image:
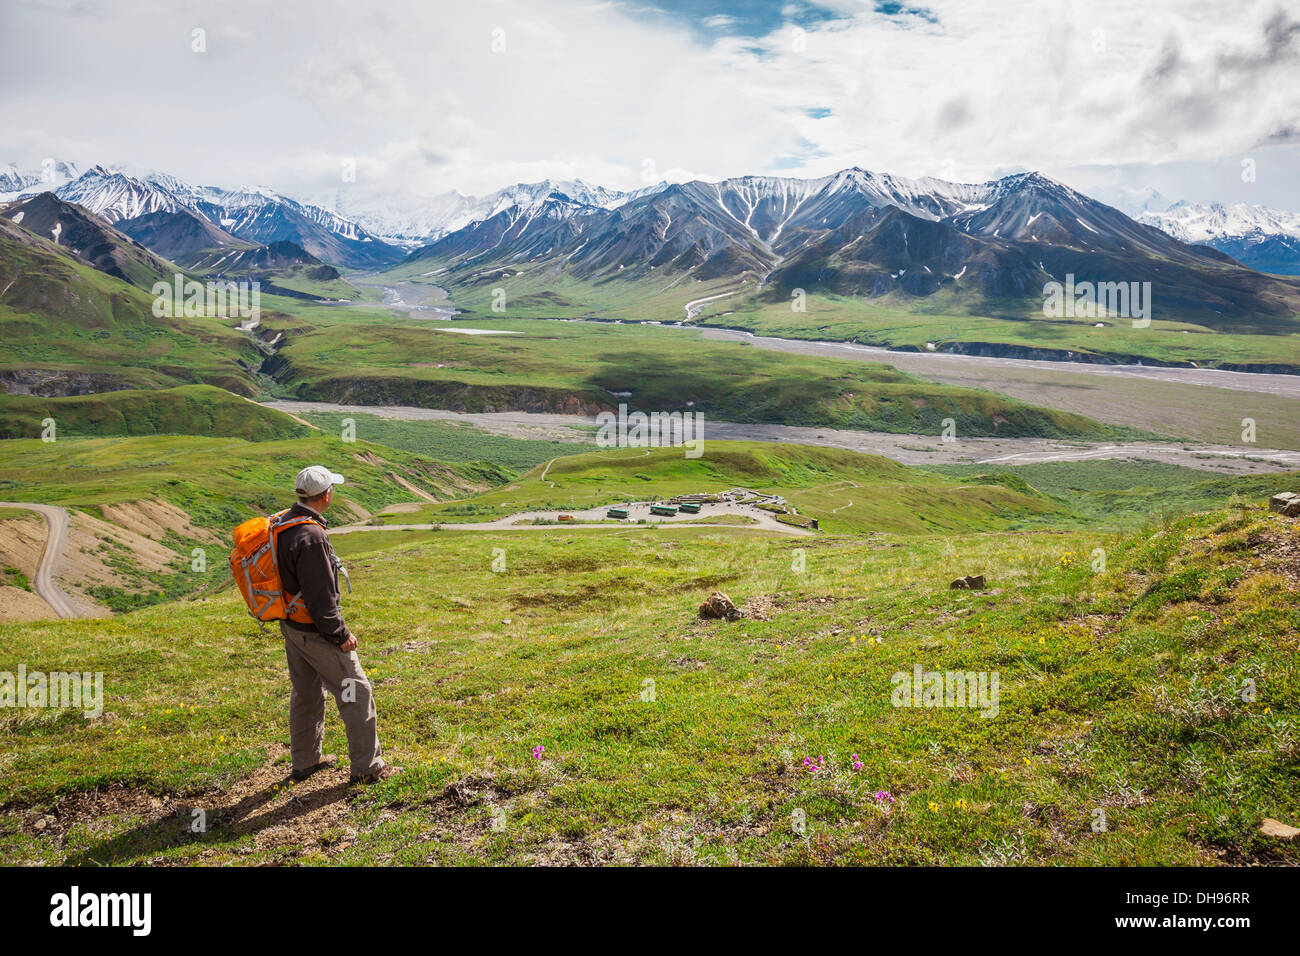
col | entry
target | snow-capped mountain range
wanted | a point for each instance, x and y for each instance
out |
(410, 222)
(180, 218)
(748, 223)
(52, 174)
(392, 222)
(856, 233)
(1192, 222)
(763, 221)
(1262, 238)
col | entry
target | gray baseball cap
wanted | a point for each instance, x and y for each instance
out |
(314, 479)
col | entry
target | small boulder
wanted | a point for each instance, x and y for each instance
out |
(973, 582)
(1286, 503)
(1278, 829)
(720, 607)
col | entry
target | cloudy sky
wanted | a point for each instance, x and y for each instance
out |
(1115, 97)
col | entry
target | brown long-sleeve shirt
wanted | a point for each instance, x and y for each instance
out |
(307, 568)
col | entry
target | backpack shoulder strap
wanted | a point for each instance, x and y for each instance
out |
(279, 521)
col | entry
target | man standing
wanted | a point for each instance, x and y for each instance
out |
(322, 654)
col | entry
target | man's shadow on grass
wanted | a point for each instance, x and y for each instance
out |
(223, 826)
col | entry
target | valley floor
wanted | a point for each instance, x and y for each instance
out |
(1200, 404)
(908, 449)
(1204, 405)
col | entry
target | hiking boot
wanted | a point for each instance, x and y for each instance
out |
(326, 761)
(383, 773)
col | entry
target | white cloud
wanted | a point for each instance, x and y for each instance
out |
(414, 92)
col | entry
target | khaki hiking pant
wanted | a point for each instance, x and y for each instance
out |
(316, 666)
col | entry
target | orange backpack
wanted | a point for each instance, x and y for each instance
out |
(256, 569)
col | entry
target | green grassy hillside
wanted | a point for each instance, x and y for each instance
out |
(218, 481)
(317, 281)
(79, 233)
(1126, 494)
(449, 441)
(844, 490)
(185, 410)
(669, 740)
(66, 322)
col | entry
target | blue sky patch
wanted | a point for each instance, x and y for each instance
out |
(892, 9)
(742, 18)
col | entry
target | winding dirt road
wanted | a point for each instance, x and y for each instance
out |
(56, 538)
(522, 521)
(693, 307)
